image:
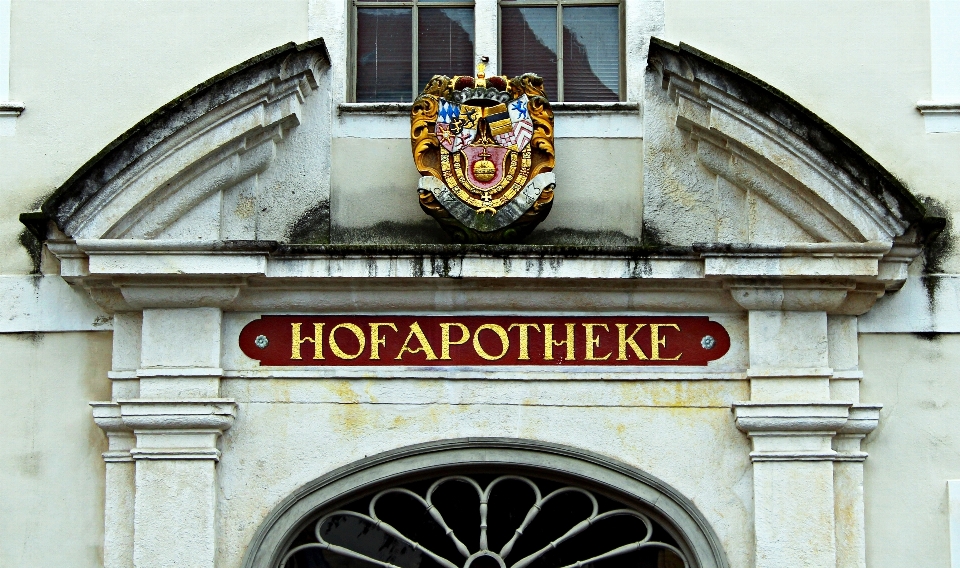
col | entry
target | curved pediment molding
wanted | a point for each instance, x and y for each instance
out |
(195, 169)
(763, 169)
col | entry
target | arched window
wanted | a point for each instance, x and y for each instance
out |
(486, 504)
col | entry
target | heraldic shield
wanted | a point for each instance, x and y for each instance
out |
(485, 150)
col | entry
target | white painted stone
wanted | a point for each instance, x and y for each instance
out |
(953, 494)
(925, 304)
(9, 110)
(942, 113)
(940, 116)
(486, 34)
(47, 303)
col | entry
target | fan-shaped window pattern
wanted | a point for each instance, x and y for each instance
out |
(484, 521)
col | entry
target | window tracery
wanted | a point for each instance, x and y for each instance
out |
(484, 521)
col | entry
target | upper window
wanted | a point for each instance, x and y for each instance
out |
(575, 45)
(401, 45)
(584, 65)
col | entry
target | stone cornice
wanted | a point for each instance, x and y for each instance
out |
(764, 418)
(186, 414)
(130, 274)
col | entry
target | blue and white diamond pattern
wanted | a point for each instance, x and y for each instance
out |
(448, 111)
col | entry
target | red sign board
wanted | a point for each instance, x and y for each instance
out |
(434, 341)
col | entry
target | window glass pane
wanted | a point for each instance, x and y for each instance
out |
(591, 53)
(528, 40)
(445, 43)
(384, 54)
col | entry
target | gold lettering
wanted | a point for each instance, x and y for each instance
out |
(594, 341)
(524, 347)
(424, 348)
(656, 342)
(445, 342)
(628, 340)
(548, 341)
(501, 333)
(297, 341)
(376, 341)
(356, 331)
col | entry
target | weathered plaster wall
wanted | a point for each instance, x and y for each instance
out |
(861, 66)
(290, 431)
(89, 71)
(913, 452)
(599, 195)
(51, 472)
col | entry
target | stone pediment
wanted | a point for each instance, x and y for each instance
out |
(741, 184)
(730, 159)
(239, 157)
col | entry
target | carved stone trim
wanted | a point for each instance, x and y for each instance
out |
(760, 418)
(214, 415)
(272, 538)
(503, 217)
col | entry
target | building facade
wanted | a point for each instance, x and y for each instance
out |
(231, 337)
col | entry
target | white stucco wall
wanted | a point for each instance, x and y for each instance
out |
(51, 472)
(914, 451)
(88, 71)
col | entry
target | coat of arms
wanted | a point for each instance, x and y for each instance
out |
(485, 149)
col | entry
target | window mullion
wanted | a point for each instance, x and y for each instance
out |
(559, 52)
(415, 73)
(486, 31)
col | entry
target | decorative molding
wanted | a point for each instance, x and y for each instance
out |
(824, 200)
(11, 108)
(766, 418)
(205, 415)
(764, 169)
(839, 277)
(801, 431)
(702, 544)
(940, 116)
(221, 134)
(862, 420)
(175, 454)
(119, 436)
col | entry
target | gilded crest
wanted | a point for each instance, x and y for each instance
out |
(484, 147)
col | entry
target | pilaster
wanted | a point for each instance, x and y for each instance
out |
(119, 486)
(176, 457)
(803, 418)
(848, 484)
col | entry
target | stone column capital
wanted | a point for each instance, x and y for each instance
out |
(802, 431)
(791, 431)
(787, 295)
(177, 428)
(764, 418)
(119, 436)
(178, 414)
